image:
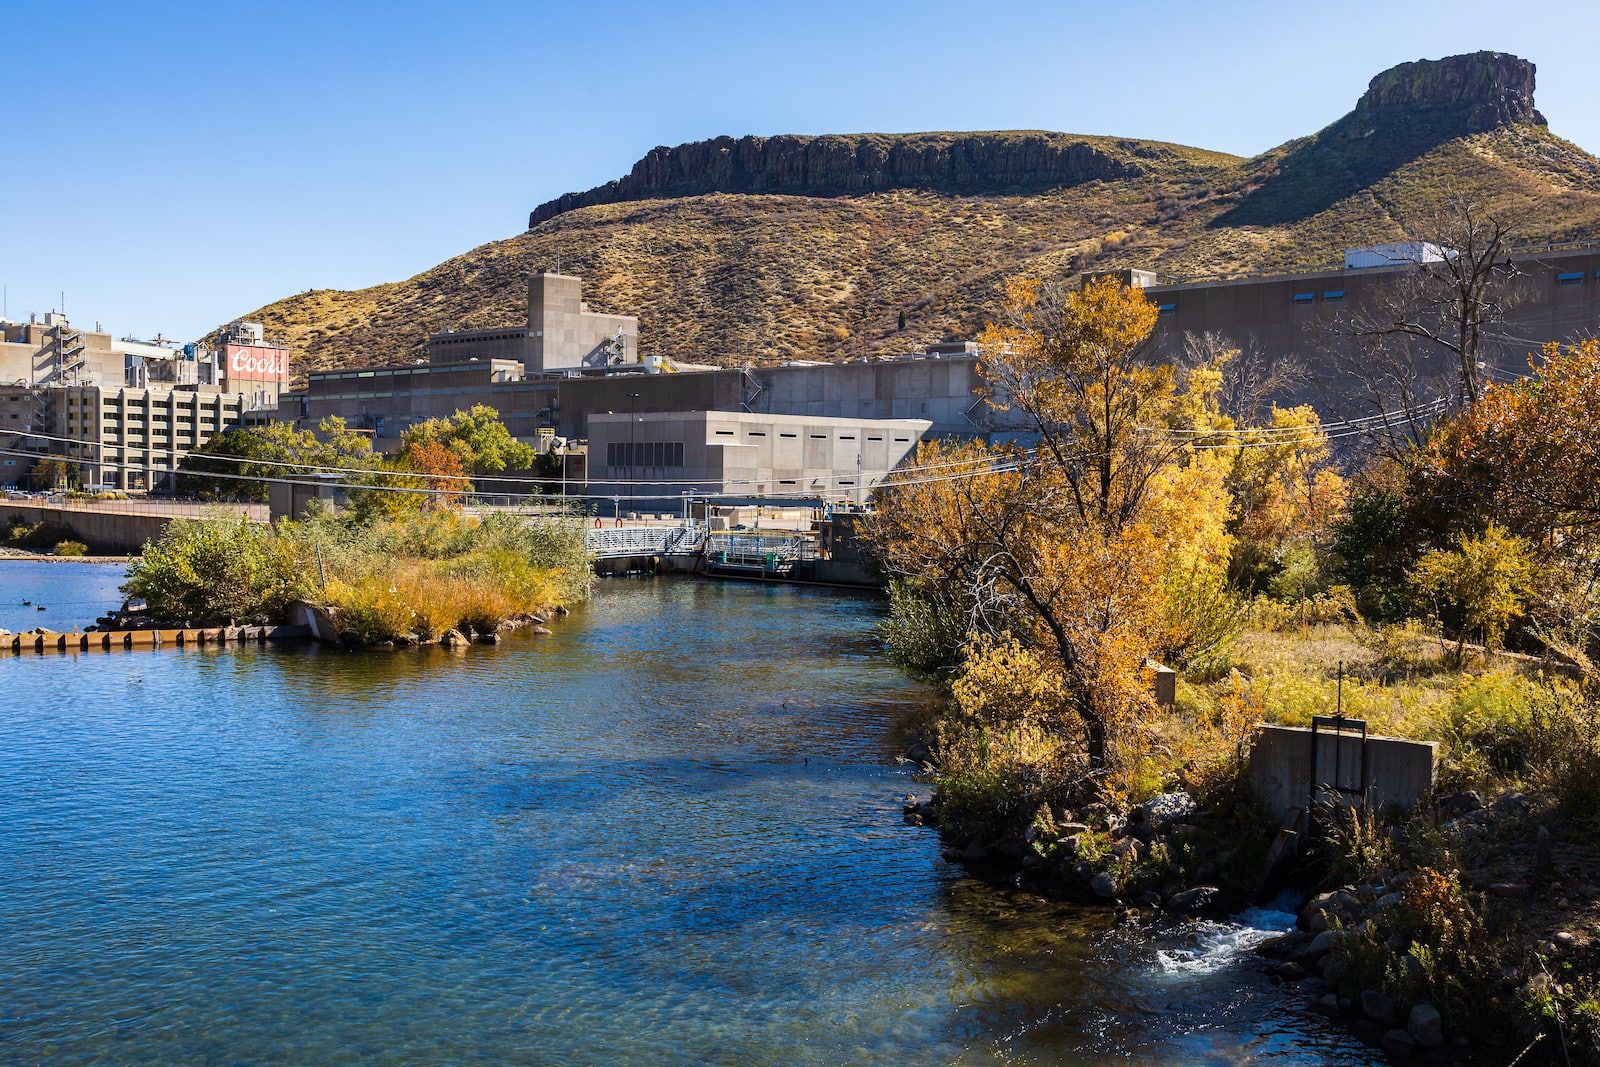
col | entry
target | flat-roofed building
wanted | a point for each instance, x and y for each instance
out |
(561, 333)
(653, 459)
(124, 412)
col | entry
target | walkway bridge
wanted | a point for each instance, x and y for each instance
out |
(620, 541)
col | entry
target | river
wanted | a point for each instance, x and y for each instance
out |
(669, 833)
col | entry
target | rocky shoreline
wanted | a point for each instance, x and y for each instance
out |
(1172, 860)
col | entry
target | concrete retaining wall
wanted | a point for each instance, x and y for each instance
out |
(102, 531)
(1398, 771)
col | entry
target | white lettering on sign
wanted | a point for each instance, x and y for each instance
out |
(258, 363)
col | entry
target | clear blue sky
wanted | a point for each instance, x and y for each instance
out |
(172, 165)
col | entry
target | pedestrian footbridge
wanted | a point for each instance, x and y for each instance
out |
(615, 541)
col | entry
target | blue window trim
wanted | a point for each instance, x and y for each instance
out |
(1333, 294)
(1301, 298)
(1569, 279)
(1166, 308)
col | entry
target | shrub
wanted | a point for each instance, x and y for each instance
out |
(39, 535)
(71, 548)
(1488, 726)
(213, 570)
(923, 632)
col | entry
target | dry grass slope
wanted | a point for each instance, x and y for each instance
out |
(732, 279)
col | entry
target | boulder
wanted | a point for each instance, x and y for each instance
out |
(974, 853)
(1380, 1007)
(1163, 812)
(1324, 942)
(1012, 848)
(1460, 803)
(1131, 849)
(1511, 804)
(452, 639)
(1203, 900)
(1425, 1025)
(1398, 1043)
(1103, 885)
(541, 630)
(489, 638)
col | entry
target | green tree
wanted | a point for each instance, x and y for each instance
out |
(234, 463)
(477, 437)
(1486, 579)
(53, 472)
(205, 571)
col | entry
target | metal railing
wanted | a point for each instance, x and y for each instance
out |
(634, 540)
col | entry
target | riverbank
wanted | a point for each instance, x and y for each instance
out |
(1474, 916)
(6, 552)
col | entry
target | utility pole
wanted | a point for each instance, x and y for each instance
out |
(633, 420)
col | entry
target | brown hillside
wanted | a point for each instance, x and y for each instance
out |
(732, 276)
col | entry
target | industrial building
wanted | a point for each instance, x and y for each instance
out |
(646, 460)
(572, 376)
(561, 333)
(1556, 297)
(125, 412)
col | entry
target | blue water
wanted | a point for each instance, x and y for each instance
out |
(669, 833)
(71, 594)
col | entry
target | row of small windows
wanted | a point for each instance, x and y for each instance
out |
(644, 454)
(814, 437)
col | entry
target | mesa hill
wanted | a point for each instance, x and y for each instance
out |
(762, 249)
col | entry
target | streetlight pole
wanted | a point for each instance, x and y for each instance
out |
(633, 403)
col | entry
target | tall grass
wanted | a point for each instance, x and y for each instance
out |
(422, 573)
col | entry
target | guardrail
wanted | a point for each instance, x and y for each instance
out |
(636, 540)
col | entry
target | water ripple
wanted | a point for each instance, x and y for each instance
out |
(668, 833)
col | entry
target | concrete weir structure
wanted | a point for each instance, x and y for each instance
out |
(1352, 767)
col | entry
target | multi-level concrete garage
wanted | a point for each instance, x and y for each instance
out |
(651, 460)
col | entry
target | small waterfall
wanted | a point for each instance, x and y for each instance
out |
(1207, 946)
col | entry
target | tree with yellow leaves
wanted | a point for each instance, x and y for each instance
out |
(1063, 546)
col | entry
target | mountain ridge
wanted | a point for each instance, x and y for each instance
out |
(809, 272)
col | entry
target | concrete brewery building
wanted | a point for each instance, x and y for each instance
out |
(124, 413)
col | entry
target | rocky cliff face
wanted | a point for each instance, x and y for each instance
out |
(1485, 89)
(864, 163)
(1406, 112)
(1414, 107)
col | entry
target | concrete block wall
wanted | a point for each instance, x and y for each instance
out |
(1399, 771)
